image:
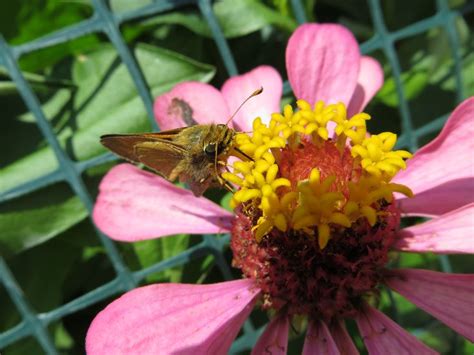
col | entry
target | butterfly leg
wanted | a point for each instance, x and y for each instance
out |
(221, 180)
(225, 183)
(240, 154)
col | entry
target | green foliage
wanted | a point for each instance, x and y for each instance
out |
(427, 61)
(39, 83)
(147, 252)
(43, 215)
(86, 91)
(50, 264)
(26, 21)
(103, 100)
(236, 18)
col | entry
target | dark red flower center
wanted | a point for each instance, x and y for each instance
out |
(315, 212)
(293, 272)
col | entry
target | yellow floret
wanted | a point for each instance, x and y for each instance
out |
(377, 158)
(313, 206)
(317, 206)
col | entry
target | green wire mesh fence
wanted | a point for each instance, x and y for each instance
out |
(107, 22)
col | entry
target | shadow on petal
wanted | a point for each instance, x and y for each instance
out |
(190, 103)
(441, 174)
(450, 233)
(319, 340)
(382, 335)
(369, 81)
(439, 199)
(136, 205)
(236, 89)
(448, 297)
(342, 338)
(274, 339)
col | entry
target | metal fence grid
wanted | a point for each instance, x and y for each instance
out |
(105, 21)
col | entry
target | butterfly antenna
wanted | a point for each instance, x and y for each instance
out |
(255, 93)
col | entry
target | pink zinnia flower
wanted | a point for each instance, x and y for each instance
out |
(297, 257)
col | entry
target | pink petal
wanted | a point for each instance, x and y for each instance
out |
(441, 174)
(342, 338)
(322, 62)
(173, 318)
(205, 103)
(448, 297)
(319, 340)
(274, 339)
(369, 81)
(134, 205)
(450, 233)
(382, 335)
(236, 89)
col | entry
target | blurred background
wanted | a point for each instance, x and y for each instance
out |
(71, 71)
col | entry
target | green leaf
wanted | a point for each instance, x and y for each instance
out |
(413, 82)
(225, 201)
(468, 347)
(429, 61)
(37, 218)
(239, 18)
(127, 5)
(37, 18)
(120, 5)
(411, 260)
(106, 101)
(39, 83)
(62, 339)
(42, 273)
(50, 263)
(149, 252)
(282, 6)
(236, 18)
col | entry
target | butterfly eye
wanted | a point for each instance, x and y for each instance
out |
(210, 149)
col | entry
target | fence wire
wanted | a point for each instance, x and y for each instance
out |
(107, 22)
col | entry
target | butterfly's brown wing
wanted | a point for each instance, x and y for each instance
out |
(164, 157)
(175, 153)
(124, 144)
(172, 162)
